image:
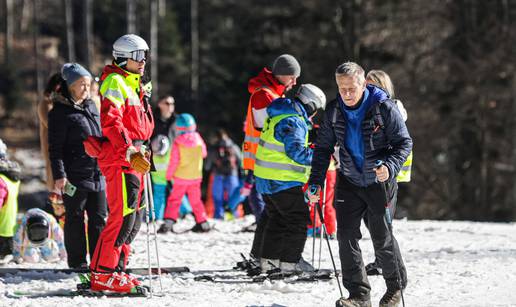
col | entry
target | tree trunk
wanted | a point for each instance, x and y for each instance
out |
(194, 81)
(9, 24)
(87, 28)
(154, 46)
(514, 140)
(35, 33)
(131, 17)
(70, 40)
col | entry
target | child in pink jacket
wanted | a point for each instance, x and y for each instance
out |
(185, 169)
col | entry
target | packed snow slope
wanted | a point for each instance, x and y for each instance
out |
(449, 264)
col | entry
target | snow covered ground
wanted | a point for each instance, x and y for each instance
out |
(449, 264)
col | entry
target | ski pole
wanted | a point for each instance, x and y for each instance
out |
(153, 215)
(329, 248)
(388, 219)
(146, 195)
(322, 224)
(314, 222)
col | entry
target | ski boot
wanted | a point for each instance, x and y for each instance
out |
(167, 226)
(114, 282)
(353, 302)
(296, 267)
(391, 298)
(201, 227)
(132, 278)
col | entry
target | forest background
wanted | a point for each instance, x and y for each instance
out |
(452, 63)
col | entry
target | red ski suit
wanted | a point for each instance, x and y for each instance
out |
(126, 120)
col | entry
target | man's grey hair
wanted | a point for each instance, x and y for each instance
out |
(351, 69)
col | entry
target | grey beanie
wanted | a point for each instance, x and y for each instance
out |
(73, 71)
(286, 65)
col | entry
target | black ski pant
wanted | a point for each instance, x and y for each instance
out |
(256, 250)
(352, 203)
(284, 234)
(94, 203)
(6, 246)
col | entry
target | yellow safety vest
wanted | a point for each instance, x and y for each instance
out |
(10, 208)
(271, 160)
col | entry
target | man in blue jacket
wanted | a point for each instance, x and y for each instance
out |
(281, 169)
(367, 128)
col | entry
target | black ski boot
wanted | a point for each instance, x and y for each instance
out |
(353, 302)
(391, 298)
(201, 227)
(167, 226)
(373, 268)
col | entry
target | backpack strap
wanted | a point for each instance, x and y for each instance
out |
(378, 116)
(334, 116)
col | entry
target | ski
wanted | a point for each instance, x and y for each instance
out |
(137, 271)
(320, 275)
(138, 292)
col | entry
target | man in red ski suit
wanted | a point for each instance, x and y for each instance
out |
(127, 125)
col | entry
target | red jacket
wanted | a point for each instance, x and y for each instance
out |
(125, 116)
(263, 99)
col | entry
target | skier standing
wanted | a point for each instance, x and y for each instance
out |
(127, 125)
(185, 169)
(352, 121)
(264, 88)
(281, 168)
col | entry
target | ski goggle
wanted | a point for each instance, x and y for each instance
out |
(139, 55)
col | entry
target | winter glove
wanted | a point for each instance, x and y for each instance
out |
(312, 194)
(92, 146)
(246, 189)
(139, 163)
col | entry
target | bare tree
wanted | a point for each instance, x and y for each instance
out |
(87, 40)
(9, 24)
(154, 44)
(35, 33)
(194, 12)
(70, 39)
(131, 16)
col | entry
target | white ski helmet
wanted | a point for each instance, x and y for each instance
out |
(130, 46)
(160, 145)
(311, 96)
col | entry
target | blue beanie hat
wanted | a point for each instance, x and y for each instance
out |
(73, 71)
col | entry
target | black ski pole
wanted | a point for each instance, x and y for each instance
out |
(318, 207)
(388, 218)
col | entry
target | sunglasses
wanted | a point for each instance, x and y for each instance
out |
(139, 55)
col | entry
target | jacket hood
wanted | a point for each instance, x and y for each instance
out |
(265, 78)
(190, 139)
(286, 106)
(377, 93)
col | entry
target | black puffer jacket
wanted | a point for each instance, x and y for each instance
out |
(391, 144)
(68, 126)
